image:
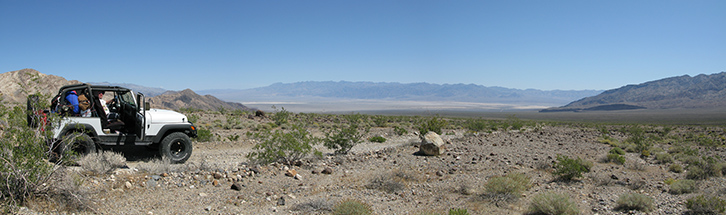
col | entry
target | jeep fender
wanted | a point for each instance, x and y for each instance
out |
(188, 129)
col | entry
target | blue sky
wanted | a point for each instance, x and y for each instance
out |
(244, 44)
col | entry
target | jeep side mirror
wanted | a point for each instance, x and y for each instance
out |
(147, 106)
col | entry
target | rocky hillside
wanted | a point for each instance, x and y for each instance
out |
(701, 91)
(189, 99)
(16, 85)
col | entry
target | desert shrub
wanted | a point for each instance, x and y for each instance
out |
(476, 125)
(280, 117)
(281, 146)
(204, 135)
(23, 154)
(380, 121)
(663, 158)
(377, 139)
(669, 181)
(682, 186)
(233, 138)
(342, 140)
(553, 203)
(102, 162)
(314, 205)
(638, 138)
(677, 168)
(617, 151)
(615, 158)
(458, 211)
(706, 205)
(511, 184)
(352, 207)
(635, 201)
(399, 131)
(393, 181)
(567, 168)
(608, 140)
(435, 124)
(696, 173)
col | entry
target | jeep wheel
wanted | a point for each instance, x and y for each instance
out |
(75, 144)
(177, 147)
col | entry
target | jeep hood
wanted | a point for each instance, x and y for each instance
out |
(165, 116)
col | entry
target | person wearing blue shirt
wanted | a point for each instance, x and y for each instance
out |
(72, 97)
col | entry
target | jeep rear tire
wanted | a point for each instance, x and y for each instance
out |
(77, 142)
(177, 147)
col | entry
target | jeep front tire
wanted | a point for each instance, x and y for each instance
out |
(177, 147)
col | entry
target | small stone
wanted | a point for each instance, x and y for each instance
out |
(298, 177)
(327, 171)
(202, 195)
(291, 173)
(217, 175)
(208, 208)
(127, 185)
(215, 183)
(155, 177)
(236, 186)
(281, 201)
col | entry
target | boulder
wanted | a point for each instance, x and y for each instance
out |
(431, 145)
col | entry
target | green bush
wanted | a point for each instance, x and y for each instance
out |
(706, 205)
(352, 207)
(682, 186)
(617, 150)
(635, 201)
(553, 203)
(664, 158)
(435, 124)
(511, 184)
(377, 139)
(280, 117)
(616, 158)
(399, 131)
(696, 173)
(342, 140)
(281, 146)
(677, 168)
(567, 168)
(458, 211)
(23, 161)
(476, 125)
(204, 135)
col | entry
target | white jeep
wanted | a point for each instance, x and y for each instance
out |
(128, 121)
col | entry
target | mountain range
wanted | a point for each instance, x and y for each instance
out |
(312, 90)
(686, 92)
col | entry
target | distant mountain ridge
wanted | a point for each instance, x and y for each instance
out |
(399, 91)
(701, 91)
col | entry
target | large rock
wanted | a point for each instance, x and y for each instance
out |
(431, 145)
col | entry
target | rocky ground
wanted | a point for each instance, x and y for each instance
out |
(389, 176)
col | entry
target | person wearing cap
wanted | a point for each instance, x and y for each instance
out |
(72, 98)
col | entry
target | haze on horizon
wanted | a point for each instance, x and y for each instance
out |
(545, 45)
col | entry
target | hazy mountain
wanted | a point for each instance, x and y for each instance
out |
(189, 99)
(399, 91)
(15, 86)
(701, 91)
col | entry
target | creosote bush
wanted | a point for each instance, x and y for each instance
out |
(435, 124)
(281, 146)
(706, 204)
(506, 188)
(102, 162)
(553, 203)
(567, 168)
(23, 157)
(342, 140)
(683, 186)
(352, 207)
(377, 139)
(635, 201)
